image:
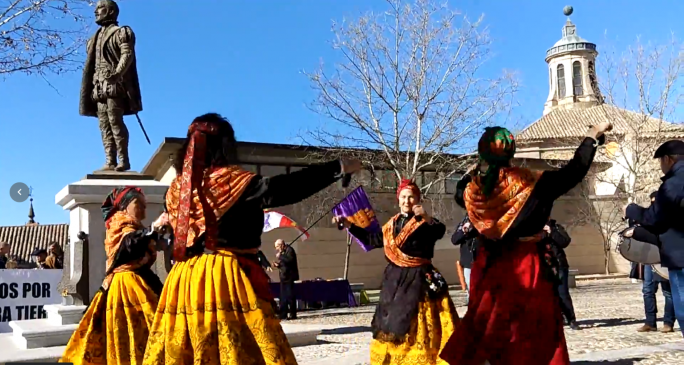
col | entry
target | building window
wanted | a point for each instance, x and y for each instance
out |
(594, 82)
(577, 78)
(251, 168)
(385, 180)
(550, 78)
(560, 76)
(270, 170)
(450, 183)
(437, 181)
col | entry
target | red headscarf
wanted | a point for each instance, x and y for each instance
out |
(192, 174)
(408, 184)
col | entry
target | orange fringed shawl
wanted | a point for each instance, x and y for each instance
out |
(393, 244)
(222, 187)
(119, 225)
(493, 215)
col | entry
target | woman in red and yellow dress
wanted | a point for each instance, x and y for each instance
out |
(415, 315)
(216, 306)
(114, 328)
(513, 314)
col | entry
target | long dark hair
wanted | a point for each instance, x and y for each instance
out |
(221, 149)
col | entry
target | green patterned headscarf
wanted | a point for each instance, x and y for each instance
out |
(496, 147)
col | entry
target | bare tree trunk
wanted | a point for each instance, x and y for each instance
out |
(346, 258)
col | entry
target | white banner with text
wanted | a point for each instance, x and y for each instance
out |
(23, 293)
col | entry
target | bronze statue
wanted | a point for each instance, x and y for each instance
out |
(110, 88)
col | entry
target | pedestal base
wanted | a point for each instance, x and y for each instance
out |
(83, 200)
(59, 315)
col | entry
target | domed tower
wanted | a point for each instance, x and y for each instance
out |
(572, 71)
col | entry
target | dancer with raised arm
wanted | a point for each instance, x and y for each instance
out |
(216, 306)
(416, 315)
(513, 315)
(115, 327)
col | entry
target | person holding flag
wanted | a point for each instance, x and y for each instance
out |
(415, 315)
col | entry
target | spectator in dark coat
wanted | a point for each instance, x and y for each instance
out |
(651, 279)
(466, 237)
(560, 239)
(289, 273)
(663, 218)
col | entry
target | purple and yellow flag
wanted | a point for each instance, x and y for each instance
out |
(356, 207)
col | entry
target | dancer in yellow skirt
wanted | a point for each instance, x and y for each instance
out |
(114, 329)
(415, 316)
(216, 306)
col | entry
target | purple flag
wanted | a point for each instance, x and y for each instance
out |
(356, 207)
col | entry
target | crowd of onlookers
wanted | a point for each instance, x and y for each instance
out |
(50, 258)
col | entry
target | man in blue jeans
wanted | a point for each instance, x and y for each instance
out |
(664, 218)
(651, 280)
(649, 289)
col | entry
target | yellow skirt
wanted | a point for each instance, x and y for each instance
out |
(430, 330)
(114, 329)
(209, 314)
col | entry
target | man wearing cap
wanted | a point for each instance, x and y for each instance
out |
(40, 254)
(4, 251)
(663, 218)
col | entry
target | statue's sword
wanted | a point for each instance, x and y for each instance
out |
(140, 122)
(143, 128)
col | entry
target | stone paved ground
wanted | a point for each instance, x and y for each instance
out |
(609, 312)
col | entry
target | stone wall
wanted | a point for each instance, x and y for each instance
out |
(323, 255)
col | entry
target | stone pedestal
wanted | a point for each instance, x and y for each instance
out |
(83, 199)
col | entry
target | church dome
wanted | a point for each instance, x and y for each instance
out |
(570, 41)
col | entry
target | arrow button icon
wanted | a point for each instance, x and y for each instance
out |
(16, 192)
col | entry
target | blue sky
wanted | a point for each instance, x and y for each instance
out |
(243, 59)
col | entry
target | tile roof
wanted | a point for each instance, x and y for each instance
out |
(572, 123)
(23, 239)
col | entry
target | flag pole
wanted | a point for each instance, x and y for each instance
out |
(346, 259)
(319, 219)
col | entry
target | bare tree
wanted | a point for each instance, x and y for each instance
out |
(41, 36)
(639, 90)
(410, 85)
(643, 86)
(603, 213)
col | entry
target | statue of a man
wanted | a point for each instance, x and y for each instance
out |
(110, 88)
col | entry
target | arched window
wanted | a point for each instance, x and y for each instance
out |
(550, 78)
(593, 82)
(560, 76)
(576, 78)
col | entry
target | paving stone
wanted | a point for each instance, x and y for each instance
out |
(608, 311)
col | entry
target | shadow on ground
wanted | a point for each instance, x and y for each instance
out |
(609, 322)
(609, 362)
(346, 330)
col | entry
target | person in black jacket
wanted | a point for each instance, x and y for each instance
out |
(559, 240)
(465, 236)
(650, 285)
(664, 219)
(289, 273)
